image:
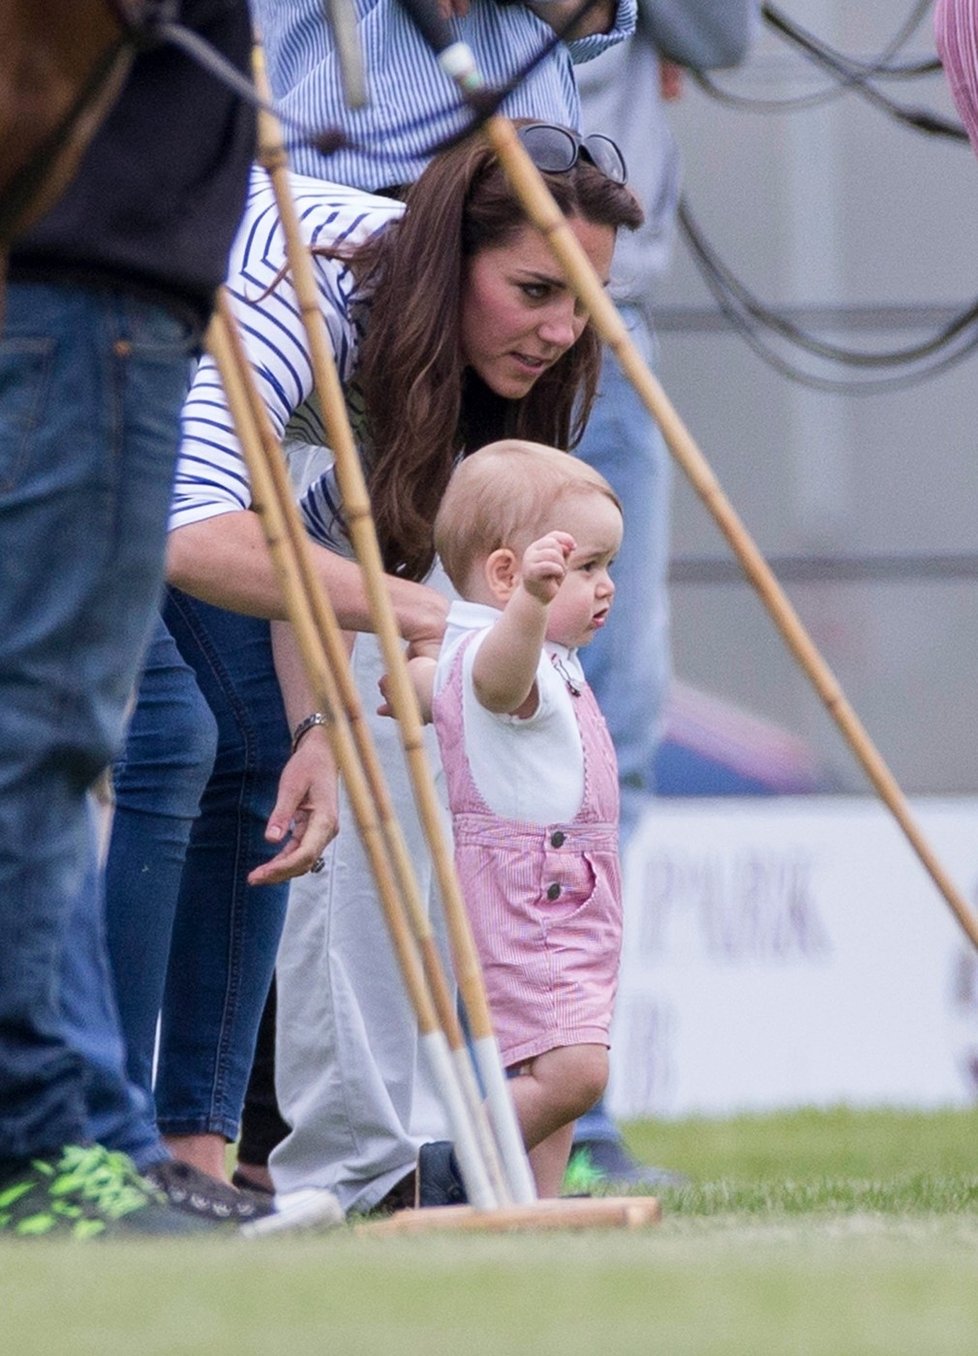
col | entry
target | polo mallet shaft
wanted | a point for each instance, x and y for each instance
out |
(458, 61)
(518, 1180)
(543, 211)
(345, 698)
(321, 645)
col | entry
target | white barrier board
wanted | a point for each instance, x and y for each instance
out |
(789, 952)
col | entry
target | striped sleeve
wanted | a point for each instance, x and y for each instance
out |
(956, 33)
(321, 511)
(211, 476)
(586, 49)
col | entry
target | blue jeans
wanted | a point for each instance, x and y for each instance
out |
(119, 1114)
(190, 940)
(91, 384)
(628, 664)
(158, 779)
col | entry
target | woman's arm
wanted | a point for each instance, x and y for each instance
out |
(225, 561)
(305, 817)
(702, 34)
(600, 18)
(216, 548)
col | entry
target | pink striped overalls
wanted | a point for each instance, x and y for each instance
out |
(544, 900)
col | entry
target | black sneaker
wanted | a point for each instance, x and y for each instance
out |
(84, 1193)
(439, 1181)
(604, 1166)
(197, 1193)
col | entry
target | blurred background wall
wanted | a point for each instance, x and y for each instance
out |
(864, 231)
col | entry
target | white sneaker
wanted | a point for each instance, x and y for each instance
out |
(309, 1211)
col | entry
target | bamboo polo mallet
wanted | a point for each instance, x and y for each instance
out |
(358, 517)
(324, 654)
(528, 183)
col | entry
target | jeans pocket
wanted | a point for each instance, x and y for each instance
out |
(25, 377)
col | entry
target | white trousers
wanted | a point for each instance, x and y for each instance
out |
(350, 1078)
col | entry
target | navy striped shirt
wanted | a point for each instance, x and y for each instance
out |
(413, 104)
(211, 474)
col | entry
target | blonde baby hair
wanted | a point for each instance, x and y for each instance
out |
(506, 495)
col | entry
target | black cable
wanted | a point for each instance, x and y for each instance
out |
(857, 71)
(751, 335)
(751, 318)
(745, 312)
(882, 66)
(795, 103)
(849, 75)
(775, 320)
(922, 119)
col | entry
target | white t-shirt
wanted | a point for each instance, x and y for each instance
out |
(529, 769)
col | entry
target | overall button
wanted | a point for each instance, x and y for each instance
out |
(553, 891)
(557, 839)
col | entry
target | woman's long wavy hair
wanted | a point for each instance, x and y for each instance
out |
(422, 407)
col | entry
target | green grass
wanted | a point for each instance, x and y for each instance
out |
(817, 1162)
(834, 1233)
(812, 1144)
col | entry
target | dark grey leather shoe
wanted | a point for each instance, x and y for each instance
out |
(438, 1179)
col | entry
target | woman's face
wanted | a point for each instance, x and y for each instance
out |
(518, 313)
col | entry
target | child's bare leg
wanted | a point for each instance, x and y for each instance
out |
(548, 1160)
(550, 1093)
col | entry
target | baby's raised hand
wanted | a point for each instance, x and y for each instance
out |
(545, 565)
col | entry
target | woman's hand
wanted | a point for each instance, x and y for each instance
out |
(306, 814)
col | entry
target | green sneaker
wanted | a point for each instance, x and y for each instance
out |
(86, 1193)
(580, 1178)
(606, 1168)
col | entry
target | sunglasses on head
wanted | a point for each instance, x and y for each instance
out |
(555, 150)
